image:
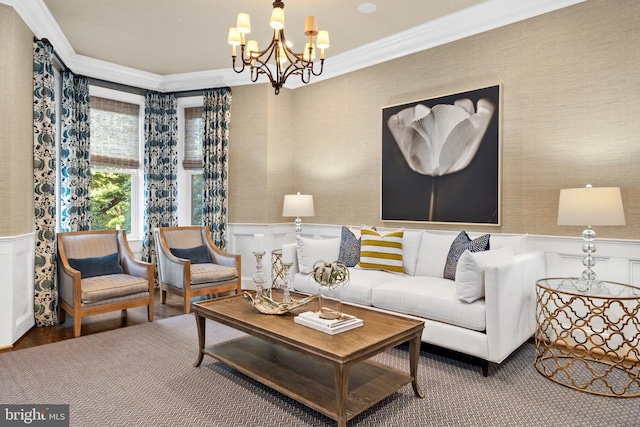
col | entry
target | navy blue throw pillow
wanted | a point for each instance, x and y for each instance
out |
(460, 244)
(97, 266)
(349, 248)
(197, 255)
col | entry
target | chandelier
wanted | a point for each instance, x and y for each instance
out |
(278, 61)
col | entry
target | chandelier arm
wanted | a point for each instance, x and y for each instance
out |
(312, 68)
(308, 74)
(234, 65)
(262, 69)
(292, 69)
(245, 61)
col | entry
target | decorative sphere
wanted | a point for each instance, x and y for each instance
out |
(589, 275)
(589, 235)
(588, 261)
(589, 248)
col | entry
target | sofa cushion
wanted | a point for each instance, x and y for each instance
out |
(432, 256)
(432, 298)
(312, 250)
(197, 255)
(97, 266)
(212, 273)
(461, 243)
(358, 291)
(381, 252)
(470, 271)
(101, 288)
(349, 248)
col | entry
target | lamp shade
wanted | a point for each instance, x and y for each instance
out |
(591, 206)
(298, 205)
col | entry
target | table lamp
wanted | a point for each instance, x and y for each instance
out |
(298, 205)
(590, 206)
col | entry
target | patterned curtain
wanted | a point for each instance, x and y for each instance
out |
(160, 166)
(75, 175)
(44, 180)
(217, 115)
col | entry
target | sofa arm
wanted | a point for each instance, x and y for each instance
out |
(510, 303)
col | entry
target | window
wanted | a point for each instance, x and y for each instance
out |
(116, 168)
(191, 196)
(110, 200)
(196, 199)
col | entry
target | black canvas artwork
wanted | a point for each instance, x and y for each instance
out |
(441, 159)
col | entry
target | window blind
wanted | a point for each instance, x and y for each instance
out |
(115, 133)
(193, 135)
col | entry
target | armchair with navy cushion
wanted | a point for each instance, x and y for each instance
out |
(191, 265)
(98, 273)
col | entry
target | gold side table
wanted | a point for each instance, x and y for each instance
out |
(587, 335)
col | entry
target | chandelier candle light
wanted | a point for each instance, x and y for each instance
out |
(278, 61)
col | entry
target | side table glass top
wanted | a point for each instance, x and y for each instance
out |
(595, 288)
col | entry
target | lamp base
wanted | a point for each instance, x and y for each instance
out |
(589, 248)
(298, 228)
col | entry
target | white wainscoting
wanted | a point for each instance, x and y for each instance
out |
(616, 260)
(16, 287)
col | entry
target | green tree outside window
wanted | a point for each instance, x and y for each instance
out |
(110, 201)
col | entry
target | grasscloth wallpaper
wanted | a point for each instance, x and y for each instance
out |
(16, 131)
(570, 116)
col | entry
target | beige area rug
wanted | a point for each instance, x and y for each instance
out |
(144, 375)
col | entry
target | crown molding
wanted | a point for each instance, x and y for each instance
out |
(482, 17)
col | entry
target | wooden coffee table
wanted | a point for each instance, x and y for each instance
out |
(328, 373)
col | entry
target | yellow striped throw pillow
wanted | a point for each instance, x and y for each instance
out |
(381, 252)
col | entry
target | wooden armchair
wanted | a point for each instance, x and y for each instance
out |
(191, 265)
(98, 273)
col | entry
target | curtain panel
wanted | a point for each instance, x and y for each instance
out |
(44, 180)
(160, 167)
(215, 169)
(75, 172)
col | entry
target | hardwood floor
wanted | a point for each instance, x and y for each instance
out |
(99, 323)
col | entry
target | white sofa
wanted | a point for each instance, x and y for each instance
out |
(502, 279)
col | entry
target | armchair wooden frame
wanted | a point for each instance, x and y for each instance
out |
(70, 279)
(181, 276)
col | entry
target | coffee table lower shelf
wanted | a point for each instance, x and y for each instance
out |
(307, 380)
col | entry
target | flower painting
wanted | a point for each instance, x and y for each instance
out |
(441, 157)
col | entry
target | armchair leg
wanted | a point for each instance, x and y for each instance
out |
(163, 296)
(77, 325)
(62, 315)
(187, 305)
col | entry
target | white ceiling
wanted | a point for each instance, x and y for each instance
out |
(181, 45)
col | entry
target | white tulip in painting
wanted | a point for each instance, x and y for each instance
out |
(443, 139)
(452, 141)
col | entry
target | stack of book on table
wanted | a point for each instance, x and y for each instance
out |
(312, 319)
